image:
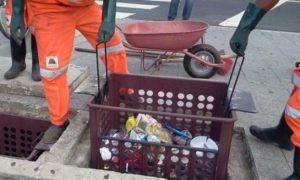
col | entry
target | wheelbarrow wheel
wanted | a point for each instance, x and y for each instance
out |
(197, 69)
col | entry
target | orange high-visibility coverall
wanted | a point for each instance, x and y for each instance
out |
(54, 24)
(292, 110)
(8, 11)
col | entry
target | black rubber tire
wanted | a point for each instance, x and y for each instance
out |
(199, 70)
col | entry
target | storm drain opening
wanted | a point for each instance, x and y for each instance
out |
(19, 135)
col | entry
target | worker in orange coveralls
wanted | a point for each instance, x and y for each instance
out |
(287, 133)
(54, 24)
(18, 51)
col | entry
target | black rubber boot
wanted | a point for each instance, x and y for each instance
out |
(279, 135)
(53, 133)
(296, 173)
(18, 53)
(51, 136)
(35, 73)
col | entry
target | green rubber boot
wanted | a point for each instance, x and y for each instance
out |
(18, 53)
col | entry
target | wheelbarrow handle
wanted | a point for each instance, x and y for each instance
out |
(227, 109)
(119, 28)
(99, 98)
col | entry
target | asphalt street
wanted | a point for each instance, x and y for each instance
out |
(225, 13)
(283, 18)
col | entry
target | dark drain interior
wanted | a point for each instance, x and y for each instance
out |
(19, 135)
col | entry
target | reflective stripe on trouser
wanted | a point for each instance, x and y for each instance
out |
(115, 54)
(292, 116)
(55, 35)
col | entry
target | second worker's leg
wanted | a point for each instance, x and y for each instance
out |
(280, 134)
(35, 73)
(88, 25)
(296, 167)
(18, 54)
(187, 10)
(173, 10)
(55, 35)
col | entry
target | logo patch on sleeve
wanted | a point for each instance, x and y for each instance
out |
(51, 62)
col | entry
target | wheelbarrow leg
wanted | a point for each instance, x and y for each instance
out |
(143, 66)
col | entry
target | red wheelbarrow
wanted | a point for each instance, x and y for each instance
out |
(200, 60)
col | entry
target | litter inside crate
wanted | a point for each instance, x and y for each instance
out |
(147, 129)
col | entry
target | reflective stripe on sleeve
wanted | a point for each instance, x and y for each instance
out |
(111, 49)
(292, 112)
(296, 79)
(53, 73)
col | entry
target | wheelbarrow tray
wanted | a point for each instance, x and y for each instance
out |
(164, 35)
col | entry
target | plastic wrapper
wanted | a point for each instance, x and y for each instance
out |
(205, 143)
(180, 140)
(146, 123)
(153, 138)
(137, 134)
(105, 153)
(120, 134)
(163, 135)
(151, 127)
(130, 123)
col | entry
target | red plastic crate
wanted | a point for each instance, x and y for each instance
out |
(193, 104)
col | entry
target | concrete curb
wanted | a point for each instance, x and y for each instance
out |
(23, 85)
(25, 170)
(248, 153)
(63, 150)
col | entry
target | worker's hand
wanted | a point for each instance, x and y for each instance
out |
(253, 14)
(17, 28)
(106, 31)
(239, 41)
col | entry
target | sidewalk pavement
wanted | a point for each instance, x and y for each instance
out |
(270, 59)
